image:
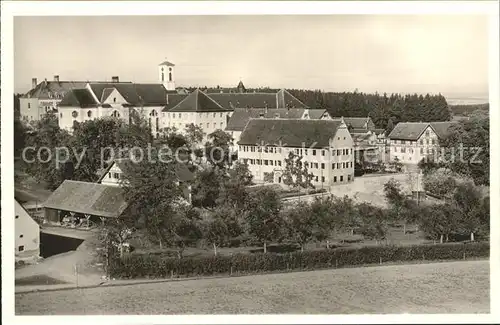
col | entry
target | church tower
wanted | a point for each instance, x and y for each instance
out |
(166, 75)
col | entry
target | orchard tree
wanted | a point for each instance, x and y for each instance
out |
(296, 173)
(222, 227)
(374, 222)
(218, 150)
(263, 218)
(194, 134)
(152, 193)
(206, 188)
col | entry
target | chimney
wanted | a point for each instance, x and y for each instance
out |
(56, 78)
(115, 79)
(33, 83)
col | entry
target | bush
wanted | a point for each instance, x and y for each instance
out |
(153, 266)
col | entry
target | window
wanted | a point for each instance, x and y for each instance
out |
(266, 162)
(109, 175)
(271, 162)
(322, 166)
(114, 99)
(305, 152)
(323, 153)
(351, 164)
(314, 152)
(60, 115)
(279, 162)
(333, 166)
(20, 248)
(17, 217)
(316, 165)
(348, 177)
(74, 114)
(316, 178)
(89, 113)
(403, 149)
(335, 179)
(422, 142)
(351, 151)
(338, 152)
(427, 133)
(338, 165)
(214, 114)
(343, 165)
(322, 179)
(21, 236)
(115, 114)
(344, 138)
(341, 178)
(306, 164)
(220, 114)
(333, 152)
(433, 141)
(29, 105)
(180, 114)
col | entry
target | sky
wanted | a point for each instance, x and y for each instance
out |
(445, 54)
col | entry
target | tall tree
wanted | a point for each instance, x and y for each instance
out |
(296, 173)
(264, 220)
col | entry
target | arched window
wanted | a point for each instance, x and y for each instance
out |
(170, 76)
(89, 114)
(115, 114)
(74, 114)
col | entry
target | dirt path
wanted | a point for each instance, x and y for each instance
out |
(72, 267)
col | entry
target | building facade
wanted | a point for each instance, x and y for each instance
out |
(326, 148)
(27, 233)
(411, 142)
(44, 97)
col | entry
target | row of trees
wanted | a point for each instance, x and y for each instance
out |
(463, 211)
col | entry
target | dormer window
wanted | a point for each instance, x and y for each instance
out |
(74, 114)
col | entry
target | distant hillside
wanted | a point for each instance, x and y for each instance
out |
(465, 110)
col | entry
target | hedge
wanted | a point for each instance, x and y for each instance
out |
(157, 266)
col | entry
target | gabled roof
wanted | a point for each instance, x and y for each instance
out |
(87, 198)
(243, 100)
(316, 113)
(442, 129)
(280, 99)
(197, 101)
(413, 130)
(78, 98)
(289, 132)
(355, 122)
(134, 93)
(408, 130)
(173, 100)
(241, 116)
(169, 64)
(44, 88)
(183, 172)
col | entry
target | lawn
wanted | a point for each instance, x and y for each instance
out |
(448, 287)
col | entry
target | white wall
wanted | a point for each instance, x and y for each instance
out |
(330, 166)
(412, 152)
(27, 234)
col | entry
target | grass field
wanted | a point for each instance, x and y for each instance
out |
(448, 287)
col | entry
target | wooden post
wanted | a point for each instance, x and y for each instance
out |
(380, 262)
(231, 270)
